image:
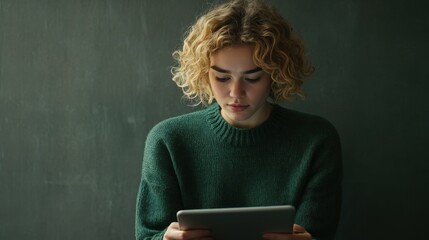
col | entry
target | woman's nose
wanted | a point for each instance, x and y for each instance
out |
(237, 89)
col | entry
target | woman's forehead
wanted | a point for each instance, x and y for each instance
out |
(233, 58)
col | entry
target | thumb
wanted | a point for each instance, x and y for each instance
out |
(298, 229)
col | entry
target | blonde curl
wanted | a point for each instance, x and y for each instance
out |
(277, 50)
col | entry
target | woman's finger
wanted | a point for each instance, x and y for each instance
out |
(174, 233)
(298, 229)
(299, 233)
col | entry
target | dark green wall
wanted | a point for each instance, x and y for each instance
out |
(82, 82)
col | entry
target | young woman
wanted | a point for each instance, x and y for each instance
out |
(243, 150)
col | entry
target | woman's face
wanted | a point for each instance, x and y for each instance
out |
(239, 86)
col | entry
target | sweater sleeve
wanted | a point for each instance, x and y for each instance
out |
(320, 206)
(158, 198)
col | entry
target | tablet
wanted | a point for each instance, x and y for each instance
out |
(239, 223)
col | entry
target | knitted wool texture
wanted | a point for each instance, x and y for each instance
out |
(198, 160)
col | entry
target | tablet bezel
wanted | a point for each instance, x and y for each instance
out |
(239, 222)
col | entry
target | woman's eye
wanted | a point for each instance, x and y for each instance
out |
(253, 80)
(222, 79)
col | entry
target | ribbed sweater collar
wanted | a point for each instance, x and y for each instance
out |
(243, 137)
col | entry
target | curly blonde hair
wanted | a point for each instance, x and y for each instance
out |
(277, 50)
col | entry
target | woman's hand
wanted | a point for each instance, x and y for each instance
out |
(174, 233)
(299, 233)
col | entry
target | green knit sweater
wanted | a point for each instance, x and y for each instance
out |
(198, 160)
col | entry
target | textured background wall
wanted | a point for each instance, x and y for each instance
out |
(82, 82)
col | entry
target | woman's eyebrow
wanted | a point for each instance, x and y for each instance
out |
(218, 69)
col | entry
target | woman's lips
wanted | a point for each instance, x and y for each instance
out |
(237, 107)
